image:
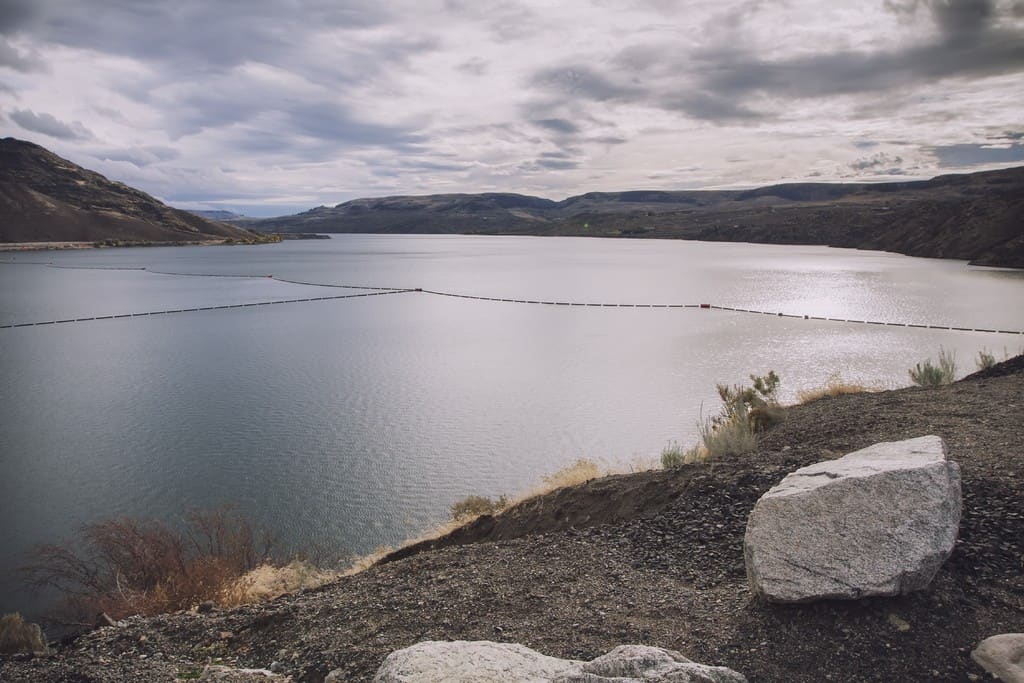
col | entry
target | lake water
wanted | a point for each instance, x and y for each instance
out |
(357, 422)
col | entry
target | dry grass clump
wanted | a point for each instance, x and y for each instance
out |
(16, 635)
(674, 455)
(123, 567)
(268, 581)
(835, 386)
(581, 471)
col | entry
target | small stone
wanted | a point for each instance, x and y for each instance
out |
(898, 624)
(207, 606)
(1002, 656)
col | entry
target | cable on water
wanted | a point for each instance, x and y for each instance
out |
(397, 290)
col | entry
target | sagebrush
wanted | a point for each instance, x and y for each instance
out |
(745, 411)
(928, 374)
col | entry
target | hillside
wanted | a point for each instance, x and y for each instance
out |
(44, 198)
(652, 557)
(977, 217)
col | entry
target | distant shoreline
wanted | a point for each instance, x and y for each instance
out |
(111, 244)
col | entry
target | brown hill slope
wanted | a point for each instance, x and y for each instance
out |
(44, 198)
(977, 217)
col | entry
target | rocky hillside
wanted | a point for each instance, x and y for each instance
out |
(977, 217)
(653, 558)
(44, 198)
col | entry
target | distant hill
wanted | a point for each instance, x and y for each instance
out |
(44, 198)
(218, 215)
(977, 217)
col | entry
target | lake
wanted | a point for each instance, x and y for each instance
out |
(355, 423)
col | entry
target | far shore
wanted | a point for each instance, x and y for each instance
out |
(109, 244)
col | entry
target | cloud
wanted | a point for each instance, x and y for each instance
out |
(880, 162)
(13, 58)
(47, 124)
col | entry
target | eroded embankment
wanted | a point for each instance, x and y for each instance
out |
(653, 558)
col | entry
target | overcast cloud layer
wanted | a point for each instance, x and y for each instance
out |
(268, 107)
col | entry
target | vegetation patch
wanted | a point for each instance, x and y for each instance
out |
(123, 567)
(17, 635)
(928, 374)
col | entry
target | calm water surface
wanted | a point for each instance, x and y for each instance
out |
(356, 423)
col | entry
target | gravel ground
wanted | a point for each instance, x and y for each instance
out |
(653, 558)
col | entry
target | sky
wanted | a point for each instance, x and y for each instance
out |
(270, 107)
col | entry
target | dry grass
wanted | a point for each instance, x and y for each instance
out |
(581, 471)
(268, 581)
(835, 386)
(16, 635)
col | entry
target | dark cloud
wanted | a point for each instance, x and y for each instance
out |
(15, 14)
(557, 164)
(558, 125)
(48, 125)
(191, 32)
(723, 82)
(975, 155)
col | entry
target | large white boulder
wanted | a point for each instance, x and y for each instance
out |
(878, 521)
(484, 661)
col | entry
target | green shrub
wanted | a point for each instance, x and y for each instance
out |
(929, 375)
(735, 435)
(18, 636)
(474, 506)
(985, 359)
(745, 411)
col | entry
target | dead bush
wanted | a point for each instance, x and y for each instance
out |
(128, 566)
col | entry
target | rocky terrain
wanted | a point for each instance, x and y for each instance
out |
(653, 558)
(977, 217)
(44, 198)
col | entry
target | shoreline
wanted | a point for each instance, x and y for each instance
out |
(583, 569)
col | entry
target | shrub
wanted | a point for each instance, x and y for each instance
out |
(733, 436)
(674, 456)
(127, 566)
(985, 359)
(928, 375)
(18, 636)
(474, 506)
(745, 411)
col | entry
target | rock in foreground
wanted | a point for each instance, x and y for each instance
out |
(1002, 656)
(482, 661)
(878, 521)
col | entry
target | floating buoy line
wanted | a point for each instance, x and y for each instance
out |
(366, 291)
